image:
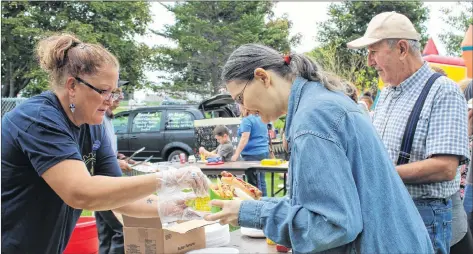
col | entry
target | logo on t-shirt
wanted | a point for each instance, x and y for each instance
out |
(90, 159)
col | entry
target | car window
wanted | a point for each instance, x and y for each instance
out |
(147, 122)
(216, 113)
(180, 120)
(120, 124)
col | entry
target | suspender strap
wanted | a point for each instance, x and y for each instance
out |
(406, 145)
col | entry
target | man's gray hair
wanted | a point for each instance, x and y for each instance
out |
(414, 46)
(244, 60)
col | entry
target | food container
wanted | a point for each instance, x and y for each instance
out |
(270, 242)
(213, 196)
(191, 159)
(281, 248)
(182, 158)
(271, 162)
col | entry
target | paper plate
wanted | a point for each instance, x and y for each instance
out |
(252, 232)
(215, 251)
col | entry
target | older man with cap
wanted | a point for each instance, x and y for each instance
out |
(422, 119)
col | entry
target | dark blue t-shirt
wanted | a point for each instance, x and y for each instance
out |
(37, 135)
(258, 142)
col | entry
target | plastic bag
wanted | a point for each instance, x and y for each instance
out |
(182, 194)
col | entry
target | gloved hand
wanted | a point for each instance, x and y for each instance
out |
(124, 166)
(173, 207)
(174, 180)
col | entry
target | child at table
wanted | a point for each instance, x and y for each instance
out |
(225, 147)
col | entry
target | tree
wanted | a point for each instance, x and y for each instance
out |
(459, 19)
(347, 21)
(207, 32)
(328, 58)
(113, 24)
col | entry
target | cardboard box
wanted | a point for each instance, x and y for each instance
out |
(147, 236)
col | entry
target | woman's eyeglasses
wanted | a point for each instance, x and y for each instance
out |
(106, 95)
(239, 97)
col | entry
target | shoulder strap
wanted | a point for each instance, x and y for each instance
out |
(406, 145)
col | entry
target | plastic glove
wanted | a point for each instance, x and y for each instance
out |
(173, 208)
(174, 180)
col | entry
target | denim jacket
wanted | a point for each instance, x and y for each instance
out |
(345, 195)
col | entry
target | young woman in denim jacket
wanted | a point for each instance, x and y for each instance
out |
(345, 195)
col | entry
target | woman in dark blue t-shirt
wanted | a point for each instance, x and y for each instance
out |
(57, 158)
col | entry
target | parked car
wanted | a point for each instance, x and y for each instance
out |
(167, 130)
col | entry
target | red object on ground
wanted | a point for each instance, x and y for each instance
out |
(84, 239)
(281, 248)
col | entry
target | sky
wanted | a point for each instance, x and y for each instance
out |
(304, 15)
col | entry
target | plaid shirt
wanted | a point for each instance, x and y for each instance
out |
(442, 126)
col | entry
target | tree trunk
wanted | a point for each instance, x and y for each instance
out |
(6, 85)
(5, 90)
(24, 83)
(214, 80)
(12, 80)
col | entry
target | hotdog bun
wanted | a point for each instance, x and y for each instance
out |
(248, 189)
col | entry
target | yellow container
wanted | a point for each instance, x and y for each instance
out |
(268, 241)
(271, 162)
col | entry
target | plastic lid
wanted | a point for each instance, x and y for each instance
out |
(252, 232)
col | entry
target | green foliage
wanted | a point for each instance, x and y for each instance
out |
(347, 21)
(279, 124)
(113, 24)
(207, 32)
(459, 18)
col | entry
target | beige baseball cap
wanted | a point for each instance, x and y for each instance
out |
(386, 25)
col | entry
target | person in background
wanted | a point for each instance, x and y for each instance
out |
(57, 158)
(345, 195)
(225, 147)
(352, 93)
(367, 100)
(108, 125)
(463, 84)
(440, 144)
(468, 197)
(462, 241)
(253, 145)
(439, 70)
(110, 229)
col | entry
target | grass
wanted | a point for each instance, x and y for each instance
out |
(277, 182)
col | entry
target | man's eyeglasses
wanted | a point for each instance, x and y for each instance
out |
(106, 95)
(239, 97)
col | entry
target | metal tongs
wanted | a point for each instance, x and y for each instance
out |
(134, 154)
(141, 162)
